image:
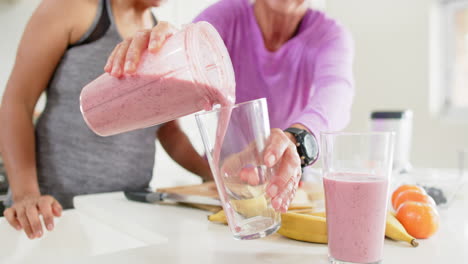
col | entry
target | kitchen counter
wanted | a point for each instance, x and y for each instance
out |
(76, 235)
(107, 228)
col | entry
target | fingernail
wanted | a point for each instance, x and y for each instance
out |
(271, 160)
(38, 233)
(273, 190)
(153, 44)
(50, 227)
(30, 236)
(158, 45)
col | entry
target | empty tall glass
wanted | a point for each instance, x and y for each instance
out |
(356, 175)
(236, 161)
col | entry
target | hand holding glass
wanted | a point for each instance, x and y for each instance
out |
(238, 168)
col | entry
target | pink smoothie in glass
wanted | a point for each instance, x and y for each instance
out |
(356, 206)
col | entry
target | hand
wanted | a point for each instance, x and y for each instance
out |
(280, 156)
(24, 214)
(126, 55)
(281, 153)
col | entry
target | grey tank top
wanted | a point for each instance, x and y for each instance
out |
(71, 159)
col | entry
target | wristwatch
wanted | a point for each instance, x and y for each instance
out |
(307, 145)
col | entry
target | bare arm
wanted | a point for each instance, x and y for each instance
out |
(44, 41)
(179, 148)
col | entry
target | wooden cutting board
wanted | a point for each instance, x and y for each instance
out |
(304, 197)
(205, 189)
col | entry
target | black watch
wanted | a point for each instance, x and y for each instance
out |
(307, 145)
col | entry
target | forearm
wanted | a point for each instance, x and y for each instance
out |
(187, 157)
(44, 41)
(180, 149)
(17, 145)
(329, 105)
(329, 110)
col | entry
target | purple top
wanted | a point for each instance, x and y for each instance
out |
(309, 80)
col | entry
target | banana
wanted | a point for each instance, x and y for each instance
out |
(395, 230)
(305, 207)
(293, 225)
(250, 207)
(255, 206)
(322, 213)
(304, 227)
(311, 227)
(219, 217)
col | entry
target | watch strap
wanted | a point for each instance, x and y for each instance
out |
(300, 135)
(295, 131)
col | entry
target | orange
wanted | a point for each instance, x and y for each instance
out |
(420, 220)
(412, 195)
(403, 188)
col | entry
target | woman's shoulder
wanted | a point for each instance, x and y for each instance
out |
(319, 27)
(224, 11)
(225, 16)
(59, 7)
(73, 16)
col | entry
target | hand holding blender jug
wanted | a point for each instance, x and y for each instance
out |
(191, 72)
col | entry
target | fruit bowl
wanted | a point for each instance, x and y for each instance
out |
(441, 184)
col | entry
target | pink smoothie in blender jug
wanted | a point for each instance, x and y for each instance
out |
(191, 72)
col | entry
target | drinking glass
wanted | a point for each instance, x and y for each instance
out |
(235, 139)
(356, 175)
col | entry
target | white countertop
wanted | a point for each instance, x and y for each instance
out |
(75, 235)
(107, 228)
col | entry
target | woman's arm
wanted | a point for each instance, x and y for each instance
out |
(179, 148)
(329, 107)
(44, 41)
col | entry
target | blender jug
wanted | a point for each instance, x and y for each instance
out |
(192, 71)
(400, 122)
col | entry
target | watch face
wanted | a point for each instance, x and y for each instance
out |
(310, 148)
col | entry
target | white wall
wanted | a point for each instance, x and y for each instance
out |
(392, 71)
(13, 18)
